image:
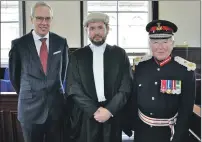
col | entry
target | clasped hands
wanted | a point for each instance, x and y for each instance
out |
(102, 115)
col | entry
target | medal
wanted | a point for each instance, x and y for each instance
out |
(178, 86)
(169, 86)
(173, 86)
(163, 86)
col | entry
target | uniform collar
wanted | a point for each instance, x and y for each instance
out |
(164, 62)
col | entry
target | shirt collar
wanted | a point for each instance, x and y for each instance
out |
(101, 47)
(37, 37)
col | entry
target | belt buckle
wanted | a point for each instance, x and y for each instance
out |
(172, 122)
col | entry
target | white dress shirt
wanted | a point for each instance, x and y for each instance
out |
(38, 43)
(98, 70)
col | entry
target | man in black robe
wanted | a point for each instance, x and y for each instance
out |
(99, 83)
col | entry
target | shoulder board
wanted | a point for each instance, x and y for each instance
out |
(137, 60)
(190, 66)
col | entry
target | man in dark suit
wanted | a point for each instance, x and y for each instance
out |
(37, 69)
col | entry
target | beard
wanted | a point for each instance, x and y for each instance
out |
(98, 43)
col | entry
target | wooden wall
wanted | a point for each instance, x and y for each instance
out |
(10, 130)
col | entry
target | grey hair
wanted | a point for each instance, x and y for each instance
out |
(38, 4)
(172, 38)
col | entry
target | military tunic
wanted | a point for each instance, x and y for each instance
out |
(151, 79)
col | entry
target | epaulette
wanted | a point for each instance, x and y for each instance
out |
(190, 66)
(139, 59)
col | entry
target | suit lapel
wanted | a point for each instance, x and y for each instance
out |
(50, 53)
(33, 51)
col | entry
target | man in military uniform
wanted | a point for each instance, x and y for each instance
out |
(164, 89)
(99, 80)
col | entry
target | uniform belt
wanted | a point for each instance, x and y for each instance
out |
(159, 122)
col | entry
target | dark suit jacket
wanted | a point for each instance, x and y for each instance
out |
(39, 94)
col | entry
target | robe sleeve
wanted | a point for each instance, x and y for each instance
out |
(120, 98)
(75, 90)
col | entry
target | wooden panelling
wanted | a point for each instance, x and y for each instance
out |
(2, 128)
(10, 129)
(16, 129)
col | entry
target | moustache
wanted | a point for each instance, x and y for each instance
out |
(97, 36)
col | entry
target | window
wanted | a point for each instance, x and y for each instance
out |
(128, 20)
(10, 27)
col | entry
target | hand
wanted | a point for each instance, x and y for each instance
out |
(102, 115)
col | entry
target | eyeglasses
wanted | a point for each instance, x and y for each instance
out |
(41, 19)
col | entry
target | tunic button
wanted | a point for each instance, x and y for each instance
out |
(140, 85)
(153, 98)
(158, 69)
(151, 113)
(155, 83)
(151, 126)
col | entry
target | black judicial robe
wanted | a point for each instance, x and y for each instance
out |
(81, 89)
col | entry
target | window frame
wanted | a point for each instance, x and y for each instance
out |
(151, 13)
(21, 22)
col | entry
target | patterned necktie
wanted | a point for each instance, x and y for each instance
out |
(44, 54)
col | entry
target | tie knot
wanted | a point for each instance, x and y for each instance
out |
(43, 39)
